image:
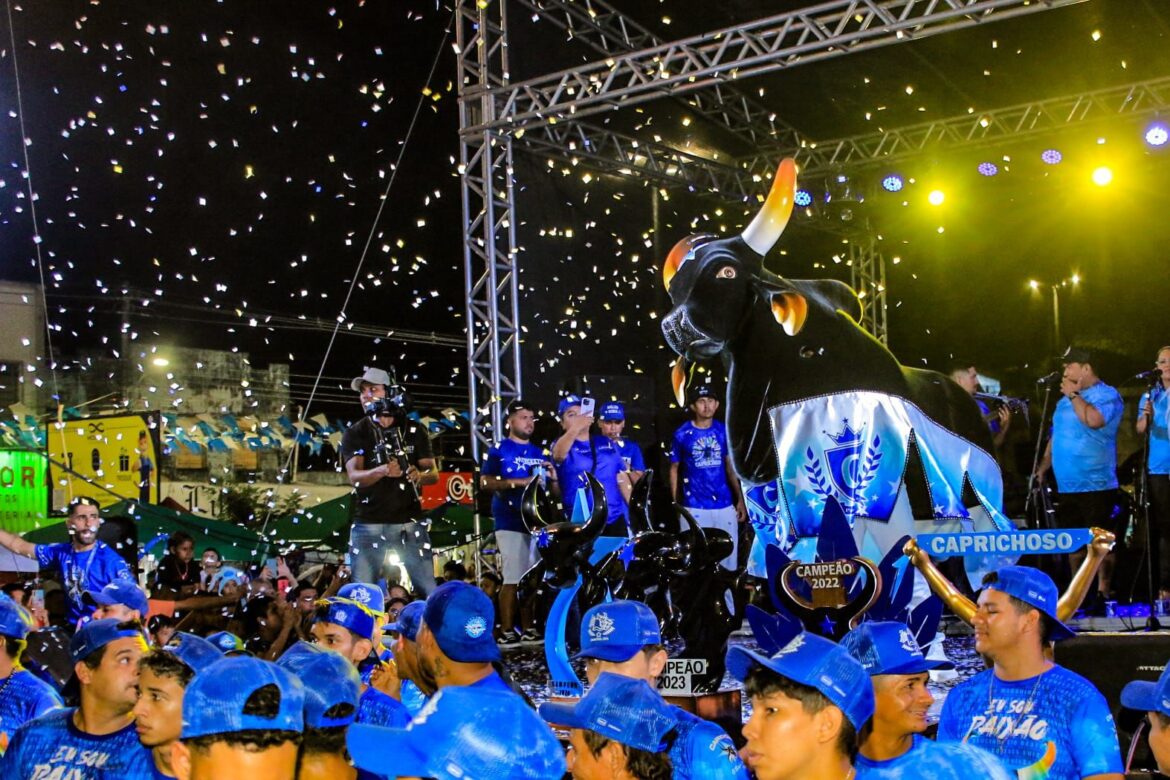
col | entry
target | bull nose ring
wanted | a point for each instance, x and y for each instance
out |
(809, 352)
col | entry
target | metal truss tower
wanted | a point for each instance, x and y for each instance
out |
(489, 222)
(867, 274)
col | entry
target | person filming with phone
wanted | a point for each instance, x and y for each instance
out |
(388, 459)
(578, 452)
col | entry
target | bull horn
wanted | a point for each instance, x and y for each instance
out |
(584, 534)
(640, 509)
(678, 381)
(699, 550)
(530, 502)
(764, 231)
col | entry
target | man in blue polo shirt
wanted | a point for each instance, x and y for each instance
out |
(701, 475)
(1036, 717)
(97, 739)
(611, 419)
(622, 638)
(1154, 419)
(1082, 453)
(83, 563)
(23, 695)
(895, 747)
(455, 643)
(578, 452)
(509, 467)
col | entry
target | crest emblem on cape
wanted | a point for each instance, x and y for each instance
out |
(849, 466)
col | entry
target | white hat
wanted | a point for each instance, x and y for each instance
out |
(373, 376)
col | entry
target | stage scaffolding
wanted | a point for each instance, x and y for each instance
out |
(635, 67)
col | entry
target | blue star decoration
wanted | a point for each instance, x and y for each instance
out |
(828, 625)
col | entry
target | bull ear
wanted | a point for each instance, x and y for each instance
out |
(788, 306)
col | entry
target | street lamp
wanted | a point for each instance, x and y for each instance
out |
(1071, 281)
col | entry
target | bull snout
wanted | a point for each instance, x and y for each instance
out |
(686, 339)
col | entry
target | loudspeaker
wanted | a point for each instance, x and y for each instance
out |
(1109, 661)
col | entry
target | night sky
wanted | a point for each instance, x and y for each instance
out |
(225, 161)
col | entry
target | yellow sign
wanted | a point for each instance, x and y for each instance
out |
(109, 459)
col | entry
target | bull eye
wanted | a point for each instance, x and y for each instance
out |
(726, 272)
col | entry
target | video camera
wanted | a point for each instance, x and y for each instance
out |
(395, 404)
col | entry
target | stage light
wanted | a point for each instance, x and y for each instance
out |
(936, 197)
(1035, 285)
(1102, 176)
(1051, 156)
(988, 169)
(1157, 134)
(893, 183)
(802, 198)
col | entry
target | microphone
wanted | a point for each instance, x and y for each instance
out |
(1051, 379)
(1153, 373)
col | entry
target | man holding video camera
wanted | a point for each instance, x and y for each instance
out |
(388, 459)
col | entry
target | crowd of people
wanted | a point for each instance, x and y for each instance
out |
(274, 672)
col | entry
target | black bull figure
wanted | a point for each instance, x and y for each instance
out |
(782, 340)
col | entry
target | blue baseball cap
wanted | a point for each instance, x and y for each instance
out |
(226, 641)
(819, 663)
(347, 613)
(566, 403)
(461, 617)
(15, 620)
(889, 647)
(369, 596)
(463, 732)
(96, 634)
(618, 631)
(329, 680)
(1146, 696)
(622, 708)
(612, 411)
(1034, 588)
(408, 621)
(195, 651)
(214, 701)
(122, 592)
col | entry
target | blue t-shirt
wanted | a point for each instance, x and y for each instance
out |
(1159, 440)
(631, 454)
(1084, 459)
(927, 760)
(81, 571)
(700, 453)
(703, 750)
(23, 697)
(377, 709)
(412, 697)
(1056, 724)
(493, 682)
(598, 456)
(51, 746)
(511, 460)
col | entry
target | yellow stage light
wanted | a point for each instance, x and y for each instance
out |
(936, 197)
(1102, 176)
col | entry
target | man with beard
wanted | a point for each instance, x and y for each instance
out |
(509, 467)
(83, 563)
(96, 740)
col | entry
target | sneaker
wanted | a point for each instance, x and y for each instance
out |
(508, 638)
(530, 635)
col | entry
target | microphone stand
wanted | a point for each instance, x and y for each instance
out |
(1144, 498)
(1040, 441)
